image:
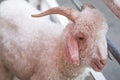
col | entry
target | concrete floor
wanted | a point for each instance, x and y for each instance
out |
(112, 70)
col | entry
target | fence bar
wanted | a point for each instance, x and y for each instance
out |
(113, 50)
(114, 6)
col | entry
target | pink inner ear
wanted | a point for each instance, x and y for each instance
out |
(72, 53)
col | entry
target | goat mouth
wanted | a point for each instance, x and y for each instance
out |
(97, 67)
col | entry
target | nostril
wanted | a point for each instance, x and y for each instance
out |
(103, 62)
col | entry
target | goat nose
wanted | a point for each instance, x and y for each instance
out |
(103, 61)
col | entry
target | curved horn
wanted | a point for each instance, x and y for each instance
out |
(65, 11)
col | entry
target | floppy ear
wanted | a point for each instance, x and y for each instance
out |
(71, 47)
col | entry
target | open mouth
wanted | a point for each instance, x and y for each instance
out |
(97, 67)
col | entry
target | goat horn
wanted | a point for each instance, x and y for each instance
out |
(65, 11)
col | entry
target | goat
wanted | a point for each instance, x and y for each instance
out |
(39, 49)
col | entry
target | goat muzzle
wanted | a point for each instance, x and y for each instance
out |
(98, 65)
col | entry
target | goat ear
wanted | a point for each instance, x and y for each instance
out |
(71, 47)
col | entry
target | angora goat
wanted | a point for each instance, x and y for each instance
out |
(38, 49)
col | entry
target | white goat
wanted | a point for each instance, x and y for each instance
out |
(38, 49)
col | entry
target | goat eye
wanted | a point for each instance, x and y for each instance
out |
(81, 38)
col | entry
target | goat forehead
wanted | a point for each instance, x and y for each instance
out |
(90, 18)
(92, 14)
(91, 29)
(91, 21)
